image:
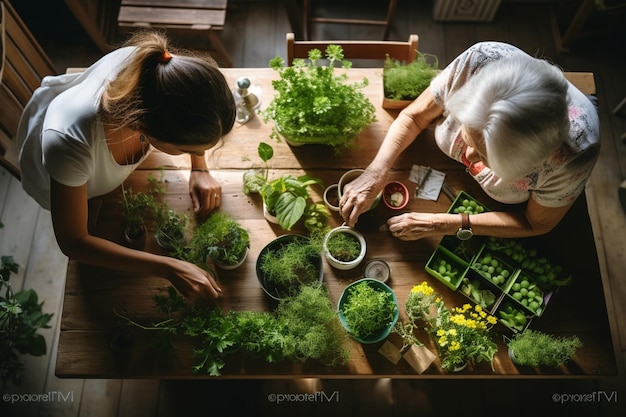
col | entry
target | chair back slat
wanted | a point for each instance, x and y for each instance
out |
(370, 50)
(24, 64)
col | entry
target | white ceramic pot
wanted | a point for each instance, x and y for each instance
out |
(344, 265)
(350, 176)
(229, 267)
(269, 216)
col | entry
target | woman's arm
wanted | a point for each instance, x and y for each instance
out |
(534, 220)
(205, 191)
(360, 193)
(68, 206)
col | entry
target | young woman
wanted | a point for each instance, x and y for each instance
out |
(83, 134)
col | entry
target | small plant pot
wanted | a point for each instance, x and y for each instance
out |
(511, 353)
(350, 176)
(419, 357)
(384, 331)
(230, 267)
(167, 242)
(331, 197)
(269, 216)
(274, 246)
(333, 259)
(136, 239)
(396, 195)
(460, 368)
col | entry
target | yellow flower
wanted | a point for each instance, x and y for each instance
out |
(441, 332)
(454, 345)
(478, 308)
(452, 332)
(443, 340)
(466, 307)
(491, 320)
(423, 288)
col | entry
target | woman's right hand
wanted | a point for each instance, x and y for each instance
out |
(359, 195)
(193, 282)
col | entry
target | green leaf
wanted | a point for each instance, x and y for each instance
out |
(289, 209)
(265, 151)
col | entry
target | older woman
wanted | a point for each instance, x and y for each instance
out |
(522, 130)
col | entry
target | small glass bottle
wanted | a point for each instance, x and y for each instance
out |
(246, 101)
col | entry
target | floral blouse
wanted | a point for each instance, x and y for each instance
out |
(555, 182)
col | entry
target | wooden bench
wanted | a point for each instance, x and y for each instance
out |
(203, 15)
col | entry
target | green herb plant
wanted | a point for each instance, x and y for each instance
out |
(535, 348)
(344, 247)
(171, 226)
(221, 238)
(287, 197)
(134, 209)
(403, 81)
(303, 327)
(367, 310)
(312, 104)
(21, 317)
(291, 266)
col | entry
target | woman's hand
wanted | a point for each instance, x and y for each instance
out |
(205, 191)
(359, 195)
(413, 226)
(193, 282)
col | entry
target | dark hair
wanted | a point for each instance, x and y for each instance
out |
(171, 95)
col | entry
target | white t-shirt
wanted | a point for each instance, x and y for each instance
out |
(61, 136)
(556, 182)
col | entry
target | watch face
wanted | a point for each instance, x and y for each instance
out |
(464, 234)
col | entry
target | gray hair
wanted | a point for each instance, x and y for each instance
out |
(519, 105)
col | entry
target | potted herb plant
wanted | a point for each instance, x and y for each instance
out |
(286, 199)
(535, 348)
(21, 317)
(403, 83)
(221, 238)
(344, 247)
(171, 227)
(312, 104)
(134, 206)
(287, 263)
(368, 310)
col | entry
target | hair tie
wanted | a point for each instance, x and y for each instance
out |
(166, 57)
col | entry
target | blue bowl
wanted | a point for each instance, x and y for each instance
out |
(383, 332)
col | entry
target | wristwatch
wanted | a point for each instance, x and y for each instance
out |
(465, 231)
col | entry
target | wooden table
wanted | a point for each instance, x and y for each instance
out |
(89, 328)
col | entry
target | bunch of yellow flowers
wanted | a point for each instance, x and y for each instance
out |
(462, 334)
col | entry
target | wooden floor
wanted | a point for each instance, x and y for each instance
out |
(254, 33)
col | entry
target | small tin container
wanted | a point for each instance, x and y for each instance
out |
(378, 270)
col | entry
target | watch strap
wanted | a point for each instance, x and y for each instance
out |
(465, 221)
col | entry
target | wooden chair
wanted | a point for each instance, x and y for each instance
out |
(310, 17)
(24, 64)
(371, 50)
(204, 15)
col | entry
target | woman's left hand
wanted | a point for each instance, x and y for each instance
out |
(413, 226)
(205, 191)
